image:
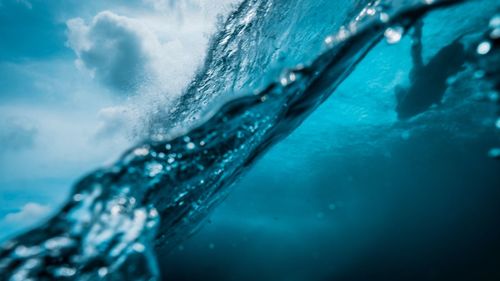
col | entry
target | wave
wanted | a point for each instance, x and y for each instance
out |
(160, 190)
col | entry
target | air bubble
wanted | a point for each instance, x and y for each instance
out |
(153, 213)
(65, 271)
(288, 78)
(371, 11)
(329, 40)
(142, 151)
(77, 197)
(483, 48)
(495, 21)
(394, 34)
(116, 209)
(154, 169)
(103, 271)
(190, 145)
(384, 17)
(138, 247)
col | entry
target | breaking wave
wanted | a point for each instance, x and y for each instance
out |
(240, 103)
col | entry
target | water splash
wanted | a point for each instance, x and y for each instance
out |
(159, 191)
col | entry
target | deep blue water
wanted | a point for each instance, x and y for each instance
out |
(355, 194)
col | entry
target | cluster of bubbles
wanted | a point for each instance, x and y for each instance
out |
(488, 64)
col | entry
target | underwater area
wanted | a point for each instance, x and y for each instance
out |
(317, 140)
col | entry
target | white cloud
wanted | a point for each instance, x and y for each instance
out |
(29, 214)
(148, 55)
(116, 49)
(137, 54)
(154, 49)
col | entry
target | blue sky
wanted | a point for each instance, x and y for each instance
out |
(76, 79)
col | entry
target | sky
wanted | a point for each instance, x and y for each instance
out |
(76, 79)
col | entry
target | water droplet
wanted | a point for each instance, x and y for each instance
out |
(57, 243)
(77, 197)
(168, 146)
(141, 151)
(154, 169)
(329, 40)
(187, 139)
(497, 123)
(153, 213)
(384, 17)
(116, 209)
(394, 34)
(483, 48)
(211, 246)
(332, 206)
(343, 33)
(190, 145)
(288, 78)
(138, 247)
(24, 252)
(495, 21)
(64, 271)
(103, 271)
